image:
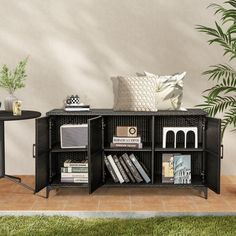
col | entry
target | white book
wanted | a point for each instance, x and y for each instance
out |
(74, 175)
(126, 139)
(182, 169)
(77, 109)
(115, 168)
(75, 164)
(139, 168)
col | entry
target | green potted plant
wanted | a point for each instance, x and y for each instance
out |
(11, 80)
(221, 98)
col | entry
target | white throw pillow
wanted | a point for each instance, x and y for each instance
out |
(169, 91)
(134, 93)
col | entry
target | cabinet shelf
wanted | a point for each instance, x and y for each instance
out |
(110, 183)
(195, 181)
(157, 149)
(145, 149)
(57, 148)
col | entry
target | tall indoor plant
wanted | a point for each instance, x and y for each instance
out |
(221, 98)
(11, 80)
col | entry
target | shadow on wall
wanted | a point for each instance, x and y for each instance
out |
(75, 46)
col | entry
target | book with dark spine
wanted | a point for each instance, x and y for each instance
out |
(127, 145)
(73, 180)
(115, 168)
(126, 169)
(132, 168)
(139, 168)
(125, 177)
(145, 168)
(110, 169)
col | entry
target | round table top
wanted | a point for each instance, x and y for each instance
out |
(8, 115)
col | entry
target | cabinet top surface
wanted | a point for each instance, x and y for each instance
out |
(111, 112)
(8, 115)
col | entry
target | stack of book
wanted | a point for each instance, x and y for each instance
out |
(74, 172)
(126, 169)
(126, 142)
(176, 168)
(77, 107)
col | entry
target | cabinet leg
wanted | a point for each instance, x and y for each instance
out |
(47, 191)
(206, 192)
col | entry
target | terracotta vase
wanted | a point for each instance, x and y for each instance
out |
(9, 102)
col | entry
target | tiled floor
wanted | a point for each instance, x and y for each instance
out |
(14, 197)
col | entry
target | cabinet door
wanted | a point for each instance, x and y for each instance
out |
(41, 153)
(213, 153)
(95, 153)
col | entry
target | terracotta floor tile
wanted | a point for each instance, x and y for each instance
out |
(113, 206)
(147, 207)
(14, 197)
(115, 198)
(15, 207)
(48, 206)
(82, 207)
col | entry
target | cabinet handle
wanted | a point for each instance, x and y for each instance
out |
(34, 153)
(222, 151)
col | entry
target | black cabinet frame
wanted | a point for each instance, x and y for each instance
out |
(101, 127)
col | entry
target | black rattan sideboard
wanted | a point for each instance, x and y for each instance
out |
(205, 160)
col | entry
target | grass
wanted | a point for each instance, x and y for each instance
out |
(42, 225)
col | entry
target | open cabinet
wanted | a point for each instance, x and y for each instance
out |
(205, 158)
(50, 157)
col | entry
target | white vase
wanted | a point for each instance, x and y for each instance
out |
(9, 102)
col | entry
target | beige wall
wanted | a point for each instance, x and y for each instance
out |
(75, 46)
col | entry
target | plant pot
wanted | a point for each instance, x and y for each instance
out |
(9, 102)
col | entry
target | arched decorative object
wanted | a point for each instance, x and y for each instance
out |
(176, 130)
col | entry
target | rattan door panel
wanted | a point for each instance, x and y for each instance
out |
(42, 153)
(213, 154)
(95, 153)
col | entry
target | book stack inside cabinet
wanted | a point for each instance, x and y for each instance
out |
(126, 137)
(74, 172)
(126, 169)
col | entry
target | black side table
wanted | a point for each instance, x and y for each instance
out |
(8, 116)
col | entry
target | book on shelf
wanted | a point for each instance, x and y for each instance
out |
(73, 180)
(115, 168)
(122, 171)
(111, 171)
(76, 107)
(74, 169)
(127, 170)
(126, 139)
(132, 168)
(145, 168)
(127, 145)
(82, 105)
(167, 168)
(70, 163)
(140, 168)
(182, 169)
(71, 175)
